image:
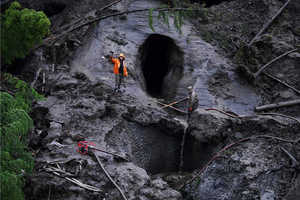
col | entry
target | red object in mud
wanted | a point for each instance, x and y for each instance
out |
(83, 147)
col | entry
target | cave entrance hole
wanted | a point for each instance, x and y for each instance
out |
(161, 65)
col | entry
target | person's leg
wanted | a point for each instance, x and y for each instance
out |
(116, 82)
(121, 80)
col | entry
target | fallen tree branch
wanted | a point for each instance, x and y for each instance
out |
(269, 23)
(85, 186)
(109, 177)
(295, 162)
(277, 79)
(52, 38)
(281, 115)
(218, 154)
(272, 61)
(211, 160)
(57, 172)
(277, 105)
(275, 138)
(85, 18)
(223, 112)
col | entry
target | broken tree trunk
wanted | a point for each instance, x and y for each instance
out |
(269, 23)
(277, 105)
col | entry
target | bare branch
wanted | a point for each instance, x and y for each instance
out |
(281, 115)
(53, 38)
(277, 79)
(269, 63)
(218, 154)
(269, 23)
(295, 162)
(109, 177)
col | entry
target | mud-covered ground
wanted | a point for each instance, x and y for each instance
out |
(214, 58)
(232, 25)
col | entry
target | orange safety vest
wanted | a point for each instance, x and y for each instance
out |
(116, 61)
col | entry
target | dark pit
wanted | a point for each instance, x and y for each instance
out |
(158, 151)
(161, 65)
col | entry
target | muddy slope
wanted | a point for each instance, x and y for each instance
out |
(81, 105)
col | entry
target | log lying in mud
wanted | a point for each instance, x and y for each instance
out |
(277, 105)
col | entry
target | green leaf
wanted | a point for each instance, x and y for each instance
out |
(166, 18)
(151, 19)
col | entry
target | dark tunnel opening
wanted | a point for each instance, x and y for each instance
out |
(162, 65)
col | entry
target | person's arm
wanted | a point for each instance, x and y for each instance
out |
(112, 59)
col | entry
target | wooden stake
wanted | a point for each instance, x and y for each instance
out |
(179, 110)
(176, 102)
(277, 105)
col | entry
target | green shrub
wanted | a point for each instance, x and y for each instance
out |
(21, 29)
(14, 126)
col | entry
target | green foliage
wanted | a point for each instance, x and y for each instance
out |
(11, 186)
(24, 94)
(14, 126)
(21, 29)
(151, 19)
(178, 13)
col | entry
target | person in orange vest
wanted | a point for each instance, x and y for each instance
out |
(120, 70)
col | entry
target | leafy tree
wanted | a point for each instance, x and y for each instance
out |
(14, 126)
(21, 29)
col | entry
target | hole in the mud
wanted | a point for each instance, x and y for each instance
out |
(165, 154)
(196, 154)
(209, 3)
(158, 151)
(162, 65)
(53, 8)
